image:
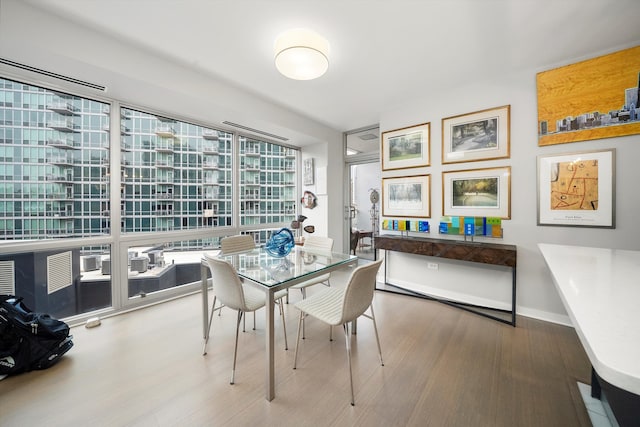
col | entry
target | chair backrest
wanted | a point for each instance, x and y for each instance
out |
(359, 291)
(239, 243)
(227, 286)
(323, 244)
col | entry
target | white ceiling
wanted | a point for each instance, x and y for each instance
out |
(382, 52)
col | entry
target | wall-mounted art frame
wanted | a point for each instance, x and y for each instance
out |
(482, 135)
(407, 196)
(577, 189)
(477, 192)
(308, 172)
(592, 99)
(408, 147)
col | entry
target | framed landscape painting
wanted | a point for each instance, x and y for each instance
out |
(477, 192)
(406, 196)
(577, 189)
(406, 148)
(482, 135)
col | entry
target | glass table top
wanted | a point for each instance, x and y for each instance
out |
(259, 266)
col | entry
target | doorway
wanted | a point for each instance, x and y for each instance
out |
(364, 176)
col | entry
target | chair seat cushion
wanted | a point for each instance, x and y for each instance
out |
(254, 298)
(314, 281)
(325, 305)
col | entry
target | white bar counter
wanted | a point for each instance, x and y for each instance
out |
(600, 289)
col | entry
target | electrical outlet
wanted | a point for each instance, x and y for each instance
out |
(432, 266)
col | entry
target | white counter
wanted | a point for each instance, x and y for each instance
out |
(600, 289)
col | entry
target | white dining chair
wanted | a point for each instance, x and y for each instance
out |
(234, 294)
(230, 245)
(336, 306)
(238, 243)
(321, 245)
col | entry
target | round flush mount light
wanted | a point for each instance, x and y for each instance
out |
(301, 54)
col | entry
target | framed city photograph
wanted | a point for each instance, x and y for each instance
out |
(407, 196)
(577, 189)
(406, 148)
(483, 135)
(477, 192)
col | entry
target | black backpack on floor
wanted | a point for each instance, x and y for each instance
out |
(29, 340)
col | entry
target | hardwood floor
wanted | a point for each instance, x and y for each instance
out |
(443, 367)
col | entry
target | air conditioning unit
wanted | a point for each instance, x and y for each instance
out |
(90, 262)
(106, 266)
(156, 258)
(140, 264)
(130, 255)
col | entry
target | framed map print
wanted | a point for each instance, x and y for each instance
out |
(577, 189)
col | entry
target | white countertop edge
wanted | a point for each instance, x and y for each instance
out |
(606, 368)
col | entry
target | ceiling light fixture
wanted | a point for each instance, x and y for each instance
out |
(301, 54)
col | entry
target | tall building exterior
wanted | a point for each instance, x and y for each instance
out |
(55, 170)
(56, 179)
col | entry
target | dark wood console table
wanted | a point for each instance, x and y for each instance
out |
(479, 252)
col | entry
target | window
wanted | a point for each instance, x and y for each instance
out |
(55, 183)
(48, 143)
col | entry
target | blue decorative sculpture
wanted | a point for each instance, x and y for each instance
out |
(280, 243)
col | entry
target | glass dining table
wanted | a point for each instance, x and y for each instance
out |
(271, 274)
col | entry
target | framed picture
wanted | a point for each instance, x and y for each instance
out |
(406, 148)
(307, 173)
(407, 196)
(592, 99)
(483, 135)
(477, 192)
(577, 189)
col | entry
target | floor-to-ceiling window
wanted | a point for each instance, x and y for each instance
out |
(93, 218)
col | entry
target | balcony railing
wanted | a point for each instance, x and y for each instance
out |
(63, 125)
(165, 146)
(210, 134)
(165, 131)
(210, 149)
(65, 143)
(62, 107)
(161, 163)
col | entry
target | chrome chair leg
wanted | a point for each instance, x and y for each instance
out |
(375, 328)
(235, 350)
(206, 338)
(303, 291)
(284, 325)
(347, 338)
(295, 354)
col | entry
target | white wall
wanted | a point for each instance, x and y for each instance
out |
(536, 294)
